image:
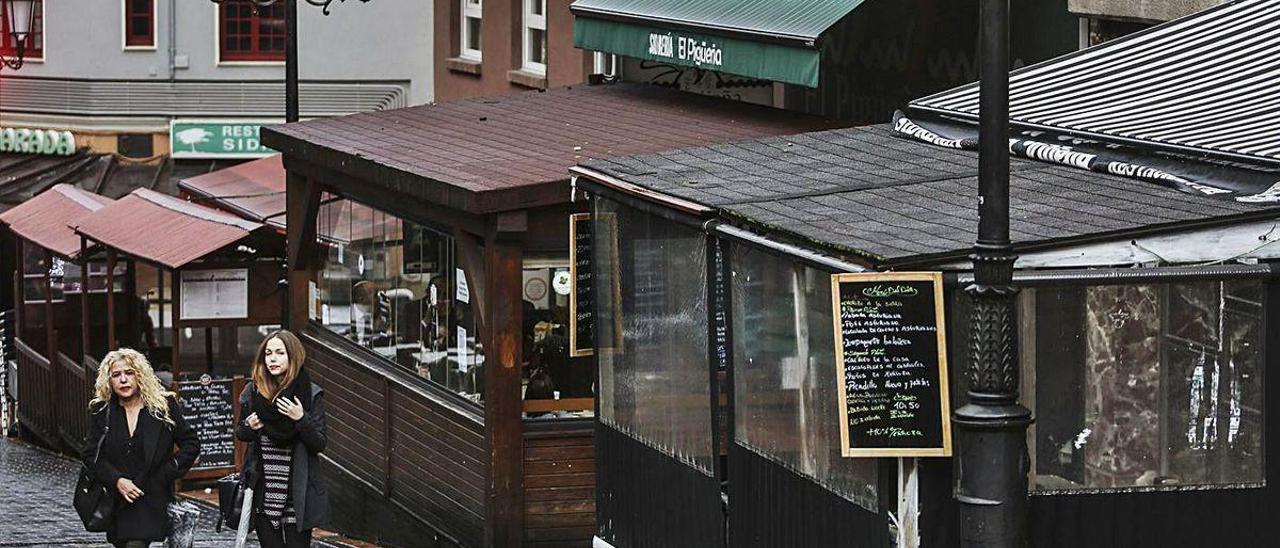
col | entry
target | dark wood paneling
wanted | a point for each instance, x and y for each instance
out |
(771, 506)
(36, 403)
(559, 488)
(415, 452)
(646, 498)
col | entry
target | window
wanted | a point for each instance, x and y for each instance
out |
(785, 393)
(392, 286)
(470, 31)
(1143, 387)
(654, 381)
(555, 384)
(535, 36)
(248, 32)
(34, 46)
(139, 24)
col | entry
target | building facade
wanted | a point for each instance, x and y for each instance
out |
(117, 73)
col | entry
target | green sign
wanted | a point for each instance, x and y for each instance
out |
(22, 140)
(763, 60)
(217, 139)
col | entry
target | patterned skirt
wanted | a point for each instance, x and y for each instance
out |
(276, 463)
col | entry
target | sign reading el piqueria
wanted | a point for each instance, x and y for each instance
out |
(50, 142)
(891, 364)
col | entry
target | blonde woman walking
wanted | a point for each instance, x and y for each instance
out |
(142, 424)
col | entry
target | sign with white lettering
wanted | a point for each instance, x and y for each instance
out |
(48, 142)
(891, 364)
(217, 139)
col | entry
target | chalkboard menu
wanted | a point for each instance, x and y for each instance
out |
(892, 365)
(582, 337)
(208, 406)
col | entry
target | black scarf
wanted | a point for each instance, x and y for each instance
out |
(276, 425)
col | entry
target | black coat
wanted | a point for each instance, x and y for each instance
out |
(146, 518)
(306, 488)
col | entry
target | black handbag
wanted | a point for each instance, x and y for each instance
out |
(94, 502)
(230, 501)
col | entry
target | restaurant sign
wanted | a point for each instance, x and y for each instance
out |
(229, 139)
(753, 59)
(49, 142)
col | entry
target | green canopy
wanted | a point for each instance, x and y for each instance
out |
(767, 39)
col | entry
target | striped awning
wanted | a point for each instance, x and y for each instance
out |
(1206, 84)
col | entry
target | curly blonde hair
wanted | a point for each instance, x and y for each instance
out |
(154, 395)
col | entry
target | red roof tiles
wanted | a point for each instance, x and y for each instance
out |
(163, 229)
(45, 219)
(253, 190)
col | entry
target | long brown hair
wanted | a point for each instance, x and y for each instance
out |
(266, 383)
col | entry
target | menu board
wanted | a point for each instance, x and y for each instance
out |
(208, 406)
(214, 294)
(582, 337)
(891, 364)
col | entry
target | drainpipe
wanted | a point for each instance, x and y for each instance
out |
(173, 39)
(991, 460)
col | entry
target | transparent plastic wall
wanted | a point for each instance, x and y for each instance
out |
(785, 384)
(651, 323)
(1154, 386)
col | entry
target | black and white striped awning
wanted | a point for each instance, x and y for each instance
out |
(1206, 84)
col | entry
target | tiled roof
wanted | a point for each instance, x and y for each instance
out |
(502, 153)
(45, 218)
(253, 190)
(163, 229)
(893, 200)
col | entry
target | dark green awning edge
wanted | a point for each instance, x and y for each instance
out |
(761, 60)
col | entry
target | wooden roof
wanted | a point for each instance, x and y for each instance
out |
(45, 219)
(514, 152)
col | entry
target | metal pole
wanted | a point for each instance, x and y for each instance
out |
(991, 461)
(291, 61)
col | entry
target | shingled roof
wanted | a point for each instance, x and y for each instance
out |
(512, 152)
(865, 193)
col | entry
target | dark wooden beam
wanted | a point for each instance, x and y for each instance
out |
(503, 424)
(51, 335)
(302, 198)
(112, 342)
(176, 306)
(133, 338)
(85, 333)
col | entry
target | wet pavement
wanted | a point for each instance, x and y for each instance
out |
(35, 504)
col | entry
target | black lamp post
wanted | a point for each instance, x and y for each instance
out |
(290, 48)
(20, 16)
(992, 463)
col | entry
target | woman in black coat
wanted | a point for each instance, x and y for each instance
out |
(282, 418)
(142, 424)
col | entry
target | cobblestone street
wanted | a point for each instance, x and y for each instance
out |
(35, 503)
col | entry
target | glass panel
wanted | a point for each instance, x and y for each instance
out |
(1147, 385)
(654, 377)
(785, 390)
(390, 285)
(473, 33)
(538, 46)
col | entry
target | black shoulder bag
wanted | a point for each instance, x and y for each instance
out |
(94, 501)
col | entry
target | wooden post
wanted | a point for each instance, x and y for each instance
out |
(302, 202)
(19, 289)
(85, 333)
(502, 338)
(177, 335)
(51, 334)
(237, 386)
(112, 342)
(133, 337)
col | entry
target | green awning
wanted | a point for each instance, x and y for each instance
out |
(768, 39)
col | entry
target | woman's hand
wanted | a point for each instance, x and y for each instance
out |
(252, 421)
(291, 408)
(128, 490)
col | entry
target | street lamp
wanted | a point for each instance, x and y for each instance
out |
(20, 17)
(290, 47)
(991, 458)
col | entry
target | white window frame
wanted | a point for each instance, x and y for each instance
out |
(532, 21)
(471, 9)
